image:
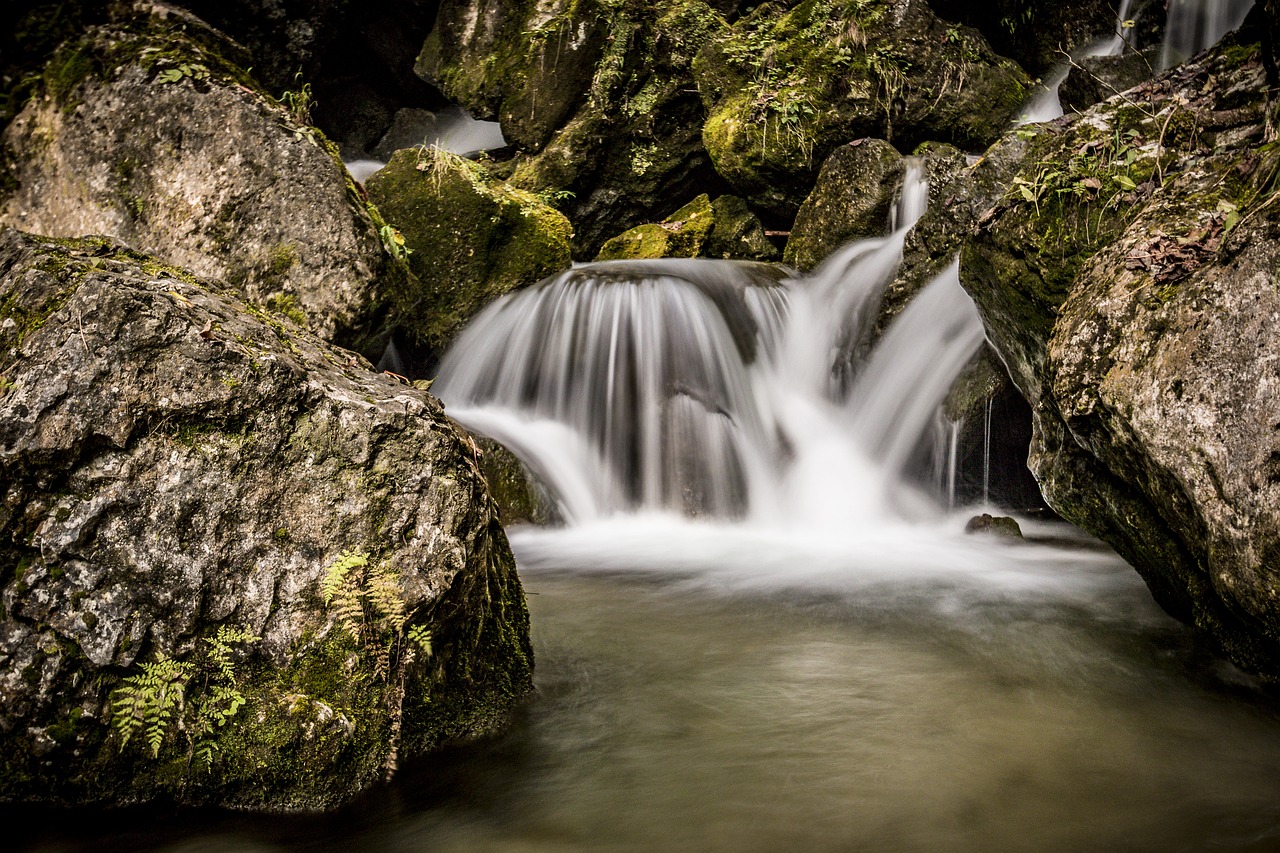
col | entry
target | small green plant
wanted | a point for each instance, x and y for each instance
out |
(394, 241)
(155, 700)
(146, 702)
(192, 70)
(299, 102)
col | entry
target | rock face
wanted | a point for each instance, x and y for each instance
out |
(1126, 266)
(787, 84)
(236, 566)
(851, 201)
(473, 238)
(148, 131)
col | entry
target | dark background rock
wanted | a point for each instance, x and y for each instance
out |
(357, 57)
(175, 461)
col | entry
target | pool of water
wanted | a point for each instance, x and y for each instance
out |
(1023, 697)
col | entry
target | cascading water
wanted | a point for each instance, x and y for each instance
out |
(1194, 25)
(1045, 105)
(717, 389)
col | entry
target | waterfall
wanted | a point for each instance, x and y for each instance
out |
(1194, 25)
(719, 389)
(1045, 105)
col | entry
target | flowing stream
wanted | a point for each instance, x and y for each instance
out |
(760, 627)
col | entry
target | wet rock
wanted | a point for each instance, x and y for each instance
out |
(1097, 78)
(1131, 290)
(785, 86)
(149, 131)
(520, 497)
(851, 201)
(724, 228)
(472, 238)
(680, 235)
(994, 525)
(205, 503)
(933, 243)
(737, 233)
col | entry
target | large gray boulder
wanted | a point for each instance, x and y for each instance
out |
(236, 565)
(1126, 263)
(148, 130)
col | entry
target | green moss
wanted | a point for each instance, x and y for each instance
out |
(472, 238)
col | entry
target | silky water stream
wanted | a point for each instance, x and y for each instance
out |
(759, 627)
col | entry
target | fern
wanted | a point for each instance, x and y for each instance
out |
(146, 701)
(343, 589)
(420, 636)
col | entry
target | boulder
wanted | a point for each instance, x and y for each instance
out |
(237, 567)
(1125, 262)
(724, 228)
(471, 238)
(1096, 78)
(852, 200)
(599, 97)
(149, 131)
(787, 84)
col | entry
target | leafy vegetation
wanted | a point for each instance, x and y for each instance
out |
(155, 701)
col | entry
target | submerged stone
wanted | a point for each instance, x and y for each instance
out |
(994, 525)
(237, 566)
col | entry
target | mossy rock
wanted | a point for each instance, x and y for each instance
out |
(851, 201)
(1124, 261)
(148, 129)
(680, 235)
(598, 95)
(786, 85)
(197, 466)
(471, 238)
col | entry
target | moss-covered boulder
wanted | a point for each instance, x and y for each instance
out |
(1126, 266)
(237, 566)
(472, 238)
(724, 228)
(148, 130)
(851, 201)
(787, 84)
(598, 94)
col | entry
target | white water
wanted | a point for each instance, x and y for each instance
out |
(711, 389)
(697, 416)
(1194, 25)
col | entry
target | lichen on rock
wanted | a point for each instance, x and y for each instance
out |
(185, 478)
(1125, 264)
